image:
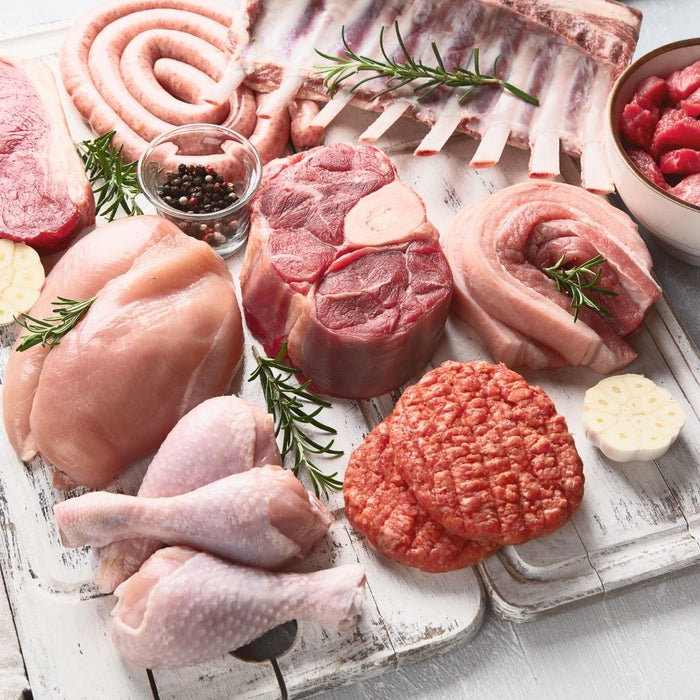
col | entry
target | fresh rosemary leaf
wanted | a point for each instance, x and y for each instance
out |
(49, 331)
(294, 408)
(402, 73)
(579, 281)
(114, 181)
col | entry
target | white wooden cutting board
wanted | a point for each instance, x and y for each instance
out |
(637, 521)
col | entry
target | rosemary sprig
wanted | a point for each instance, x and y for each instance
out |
(49, 331)
(579, 281)
(410, 70)
(288, 404)
(113, 180)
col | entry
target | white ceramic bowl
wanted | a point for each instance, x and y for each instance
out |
(674, 223)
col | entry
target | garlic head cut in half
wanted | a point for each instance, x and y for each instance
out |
(630, 418)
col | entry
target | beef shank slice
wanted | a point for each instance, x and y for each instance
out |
(344, 266)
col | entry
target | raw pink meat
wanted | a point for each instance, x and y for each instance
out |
(647, 166)
(651, 93)
(680, 161)
(221, 436)
(640, 116)
(688, 189)
(342, 263)
(675, 129)
(261, 517)
(185, 607)
(380, 505)
(566, 54)
(638, 124)
(497, 247)
(682, 83)
(163, 335)
(486, 454)
(45, 196)
(661, 132)
(691, 106)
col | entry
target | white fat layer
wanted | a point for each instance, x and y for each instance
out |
(548, 118)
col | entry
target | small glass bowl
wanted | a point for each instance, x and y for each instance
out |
(230, 155)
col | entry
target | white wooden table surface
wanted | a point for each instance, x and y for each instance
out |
(640, 643)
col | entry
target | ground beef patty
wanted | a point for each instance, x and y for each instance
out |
(379, 504)
(486, 454)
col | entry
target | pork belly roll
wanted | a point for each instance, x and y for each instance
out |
(498, 248)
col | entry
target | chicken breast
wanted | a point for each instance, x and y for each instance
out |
(223, 435)
(163, 335)
(261, 517)
(184, 607)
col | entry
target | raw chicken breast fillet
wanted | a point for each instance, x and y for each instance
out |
(163, 335)
(223, 435)
(261, 517)
(184, 607)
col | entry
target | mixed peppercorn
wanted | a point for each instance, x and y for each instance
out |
(196, 189)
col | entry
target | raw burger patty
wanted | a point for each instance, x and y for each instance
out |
(486, 454)
(379, 504)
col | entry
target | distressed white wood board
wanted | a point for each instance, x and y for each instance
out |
(408, 615)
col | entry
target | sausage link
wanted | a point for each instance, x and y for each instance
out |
(271, 136)
(242, 112)
(302, 134)
(137, 70)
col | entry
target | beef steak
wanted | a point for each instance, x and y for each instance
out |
(45, 196)
(343, 265)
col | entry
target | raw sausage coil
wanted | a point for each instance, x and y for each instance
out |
(141, 67)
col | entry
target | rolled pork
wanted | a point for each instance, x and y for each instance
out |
(499, 245)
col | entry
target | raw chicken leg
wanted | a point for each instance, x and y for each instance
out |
(262, 517)
(222, 436)
(184, 607)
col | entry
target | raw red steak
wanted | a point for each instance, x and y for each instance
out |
(379, 504)
(675, 129)
(45, 196)
(691, 106)
(487, 455)
(342, 263)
